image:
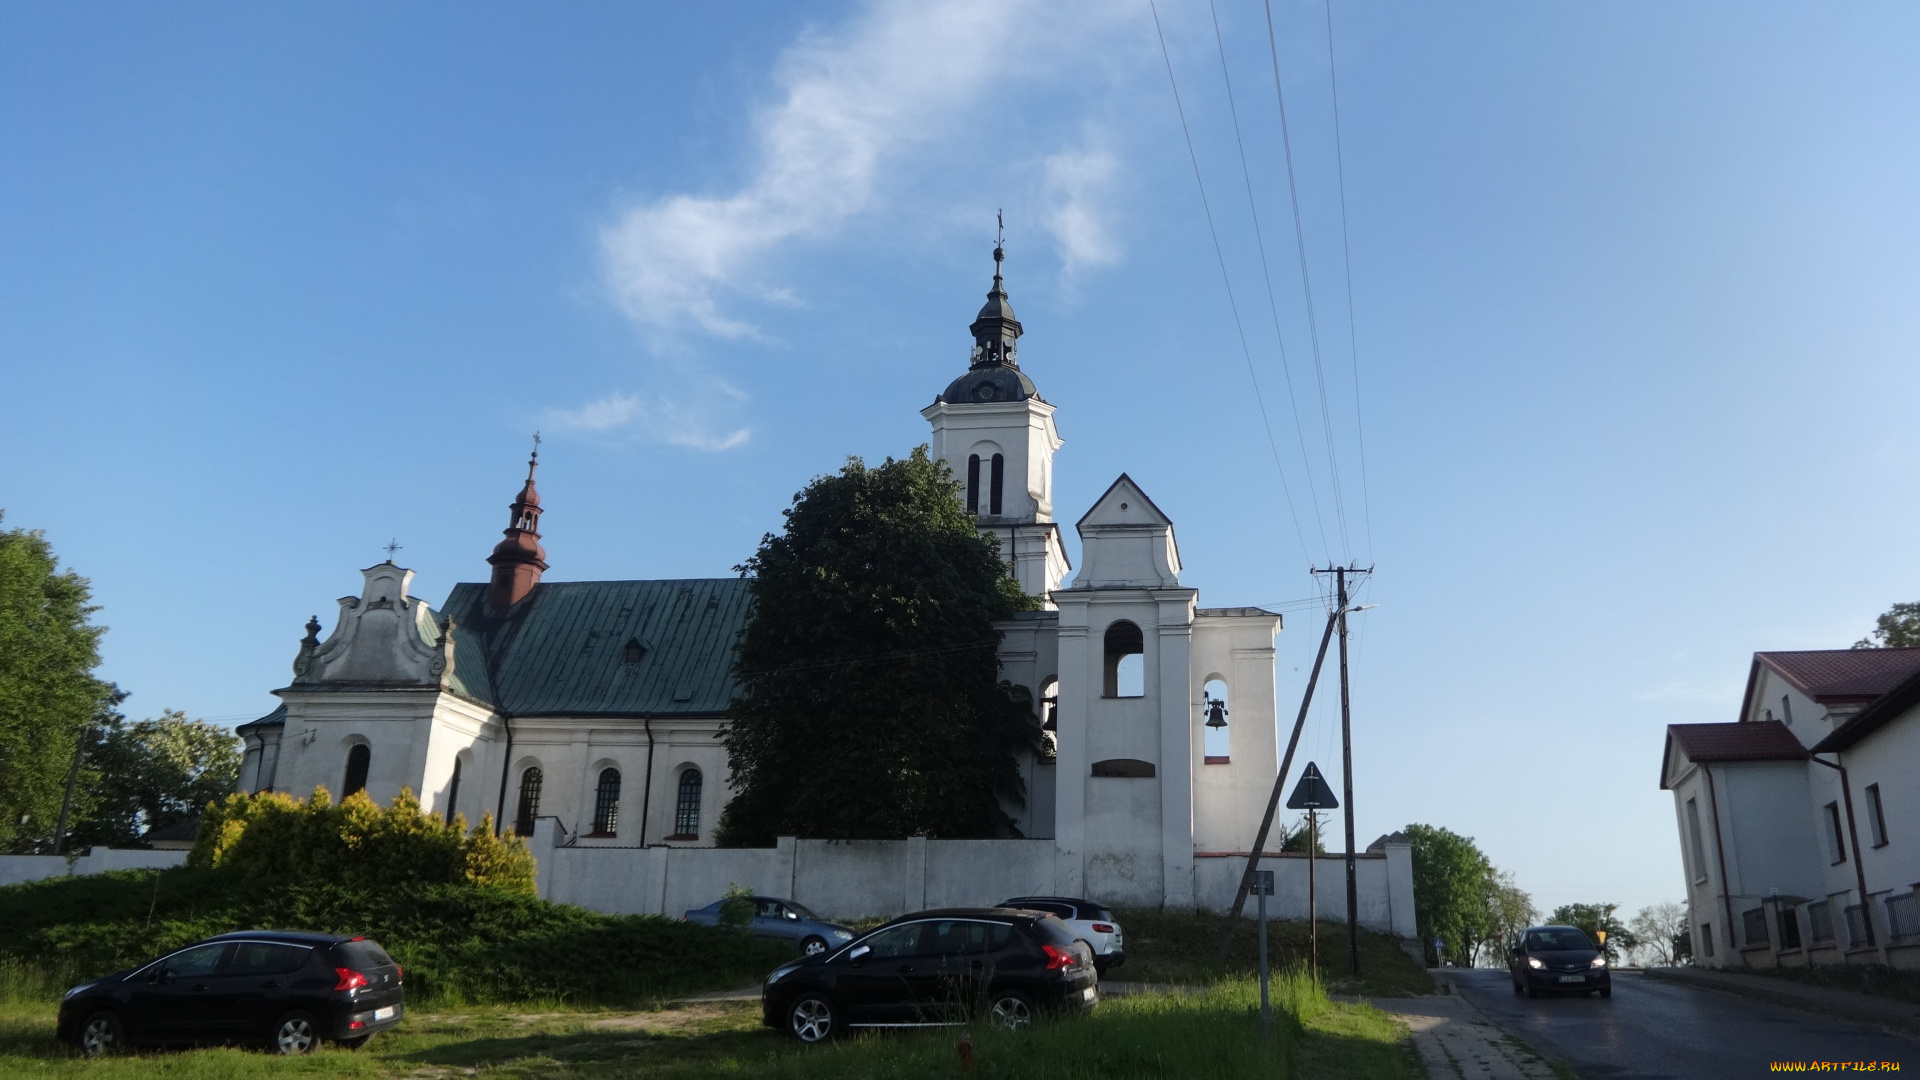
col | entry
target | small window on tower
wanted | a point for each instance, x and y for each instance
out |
(973, 483)
(636, 652)
(996, 484)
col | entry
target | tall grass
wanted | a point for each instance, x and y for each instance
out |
(34, 982)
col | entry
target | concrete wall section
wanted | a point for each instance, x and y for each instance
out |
(17, 869)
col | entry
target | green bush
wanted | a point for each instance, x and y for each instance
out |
(272, 835)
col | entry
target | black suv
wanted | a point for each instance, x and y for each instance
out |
(936, 967)
(1552, 958)
(286, 990)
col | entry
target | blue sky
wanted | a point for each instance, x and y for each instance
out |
(1632, 329)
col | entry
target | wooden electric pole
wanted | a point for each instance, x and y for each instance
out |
(1346, 765)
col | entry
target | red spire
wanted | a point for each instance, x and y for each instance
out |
(519, 559)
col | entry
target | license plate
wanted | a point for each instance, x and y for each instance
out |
(383, 1014)
(1573, 978)
(1088, 994)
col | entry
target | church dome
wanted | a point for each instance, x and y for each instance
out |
(989, 383)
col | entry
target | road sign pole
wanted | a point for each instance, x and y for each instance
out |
(1313, 901)
(1266, 1015)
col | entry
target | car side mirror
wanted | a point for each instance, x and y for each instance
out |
(858, 954)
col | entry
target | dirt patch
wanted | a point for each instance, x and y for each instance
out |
(663, 1021)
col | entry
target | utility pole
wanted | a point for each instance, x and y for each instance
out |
(1346, 765)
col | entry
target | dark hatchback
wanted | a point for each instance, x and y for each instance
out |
(1556, 959)
(284, 990)
(936, 967)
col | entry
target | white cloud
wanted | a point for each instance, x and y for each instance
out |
(687, 422)
(853, 99)
(1077, 186)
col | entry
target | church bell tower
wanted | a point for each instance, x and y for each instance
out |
(996, 433)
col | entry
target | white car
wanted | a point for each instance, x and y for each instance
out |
(1090, 922)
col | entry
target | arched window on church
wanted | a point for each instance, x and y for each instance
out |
(973, 483)
(686, 812)
(453, 791)
(529, 801)
(606, 803)
(1126, 662)
(1217, 741)
(996, 484)
(358, 759)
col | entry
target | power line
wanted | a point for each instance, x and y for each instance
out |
(1346, 263)
(1227, 279)
(1260, 241)
(1306, 284)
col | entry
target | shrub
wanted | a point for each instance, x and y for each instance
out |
(278, 837)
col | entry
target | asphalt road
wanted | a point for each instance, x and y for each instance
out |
(1653, 1029)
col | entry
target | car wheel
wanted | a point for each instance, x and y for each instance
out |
(296, 1033)
(354, 1043)
(1010, 1011)
(1607, 990)
(1531, 992)
(1517, 988)
(814, 946)
(102, 1034)
(811, 1019)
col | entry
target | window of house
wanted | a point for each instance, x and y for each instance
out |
(606, 803)
(1789, 927)
(1706, 939)
(358, 759)
(636, 652)
(1217, 742)
(1786, 708)
(686, 811)
(529, 801)
(1836, 840)
(973, 483)
(996, 484)
(1697, 851)
(1876, 817)
(1753, 926)
(1820, 921)
(1126, 662)
(453, 791)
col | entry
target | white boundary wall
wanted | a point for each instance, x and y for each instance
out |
(15, 869)
(863, 879)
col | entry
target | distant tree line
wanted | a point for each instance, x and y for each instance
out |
(128, 777)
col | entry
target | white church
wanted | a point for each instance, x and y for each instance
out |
(586, 711)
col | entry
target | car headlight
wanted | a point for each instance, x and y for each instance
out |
(1599, 961)
(778, 974)
(1534, 962)
(75, 990)
(843, 935)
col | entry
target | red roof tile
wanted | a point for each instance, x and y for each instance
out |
(1768, 740)
(1844, 674)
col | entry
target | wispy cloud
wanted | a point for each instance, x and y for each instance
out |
(853, 100)
(1078, 184)
(686, 421)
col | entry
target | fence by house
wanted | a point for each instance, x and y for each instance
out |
(15, 869)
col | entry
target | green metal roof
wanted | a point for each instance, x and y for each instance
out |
(563, 650)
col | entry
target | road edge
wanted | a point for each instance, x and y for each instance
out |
(1891, 1024)
(1560, 1066)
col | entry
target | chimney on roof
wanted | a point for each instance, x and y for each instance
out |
(518, 559)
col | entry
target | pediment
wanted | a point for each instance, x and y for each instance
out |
(1124, 504)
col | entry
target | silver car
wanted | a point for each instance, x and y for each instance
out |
(1088, 921)
(783, 919)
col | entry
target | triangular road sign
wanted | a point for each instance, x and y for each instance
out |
(1312, 793)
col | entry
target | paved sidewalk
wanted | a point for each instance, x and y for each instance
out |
(1456, 1042)
(1846, 1004)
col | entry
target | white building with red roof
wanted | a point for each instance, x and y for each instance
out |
(1800, 821)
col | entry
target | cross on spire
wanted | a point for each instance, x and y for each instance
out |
(391, 547)
(996, 331)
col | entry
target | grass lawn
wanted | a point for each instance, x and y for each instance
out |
(1169, 948)
(1209, 1033)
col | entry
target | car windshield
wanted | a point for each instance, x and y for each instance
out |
(362, 954)
(1554, 940)
(800, 911)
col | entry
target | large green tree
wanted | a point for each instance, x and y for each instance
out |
(1899, 628)
(870, 703)
(1453, 893)
(48, 650)
(1596, 917)
(150, 773)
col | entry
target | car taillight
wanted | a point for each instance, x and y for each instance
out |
(1059, 959)
(399, 973)
(1102, 928)
(349, 979)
